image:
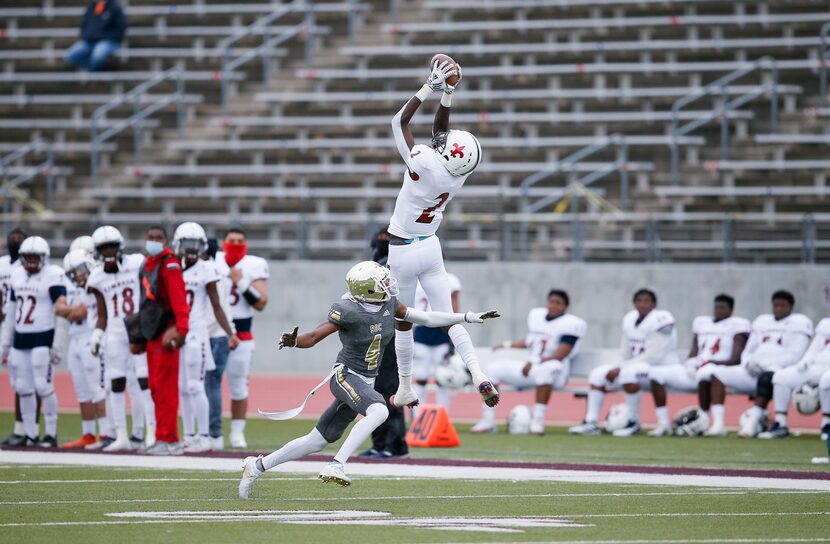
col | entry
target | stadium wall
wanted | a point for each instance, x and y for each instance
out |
(301, 292)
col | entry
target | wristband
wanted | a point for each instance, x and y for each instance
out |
(243, 284)
(423, 93)
(251, 295)
(446, 99)
(507, 344)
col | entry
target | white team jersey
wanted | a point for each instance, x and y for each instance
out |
(252, 268)
(427, 188)
(819, 350)
(715, 339)
(121, 290)
(196, 279)
(78, 295)
(543, 336)
(768, 335)
(635, 335)
(32, 293)
(6, 268)
(421, 300)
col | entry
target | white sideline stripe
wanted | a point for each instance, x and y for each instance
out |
(393, 470)
(663, 541)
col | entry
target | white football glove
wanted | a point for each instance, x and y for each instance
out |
(437, 79)
(474, 317)
(449, 89)
(95, 341)
(55, 356)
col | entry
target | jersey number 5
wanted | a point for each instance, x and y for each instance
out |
(373, 354)
(426, 215)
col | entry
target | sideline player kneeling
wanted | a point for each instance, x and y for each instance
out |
(365, 320)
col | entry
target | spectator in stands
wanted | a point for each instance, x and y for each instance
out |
(102, 31)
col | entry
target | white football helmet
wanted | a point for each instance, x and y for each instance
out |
(806, 399)
(690, 421)
(617, 418)
(82, 242)
(34, 252)
(107, 235)
(459, 150)
(518, 420)
(189, 237)
(452, 373)
(77, 262)
(757, 426)
(370, 282)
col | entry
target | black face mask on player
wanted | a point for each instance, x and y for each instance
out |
(14, 240)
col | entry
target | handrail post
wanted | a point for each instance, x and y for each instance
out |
(180, 104)
(93, 156)
(576, 228)
(137, 135)
(822, 65)
(223, 88)
(50, 177)
(266, 58)
(724, 123)
(524, 226)
(622, 157)
(808, 239)
(728, 242)
(309, 37)
(773, 113)
(675, 159)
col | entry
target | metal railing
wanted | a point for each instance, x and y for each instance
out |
(10, 185)
(576, 185)
(822, 63)
(134, 96)
(720, 88)
(269, 43)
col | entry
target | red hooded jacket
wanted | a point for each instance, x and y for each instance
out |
(171, 291)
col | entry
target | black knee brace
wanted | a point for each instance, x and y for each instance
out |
(119, 385)
(143, 383)
(765, 385)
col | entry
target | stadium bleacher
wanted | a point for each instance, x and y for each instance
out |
(312, 148)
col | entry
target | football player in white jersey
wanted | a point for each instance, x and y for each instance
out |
(87, 370)
(115, 285)
(37, 295)
(777, 340)
(432, 345)
(552, 341)
(649, 339)
(813, 368)
(200, 280)
(245, 278)
(718, 340)
(434, 174)
(8, 263)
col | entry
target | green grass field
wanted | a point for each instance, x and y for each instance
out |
(46, 503)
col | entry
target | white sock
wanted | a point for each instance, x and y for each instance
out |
(28, 413)
(464, 347)
(539, 411)
(149, 408)
(50, 414)
(421, 391)
(18, 428)
(304, 445)
(404, 348)
(781, 395)
(718, 414)
(376, 414)
(781, 419)
(237, 425)
(136, 407)
(443, 396)
(87, 426)
(119, 410)
(594, 405)
(488, 414)
(632, 400)
(662, 416)
(104, 426)
(757, 412)
(188, 420)
(201, 411)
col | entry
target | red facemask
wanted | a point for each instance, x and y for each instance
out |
(234, 252)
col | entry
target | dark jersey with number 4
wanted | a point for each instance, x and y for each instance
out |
(363, 333)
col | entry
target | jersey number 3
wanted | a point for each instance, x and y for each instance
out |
(426, 215)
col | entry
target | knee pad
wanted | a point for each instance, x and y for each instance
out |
(764, 388)
(545, 373)
(705, 373)
(597, 376)
(22, 386)
(119, 385)
(98, 395)
(238, 386)
(144, 383)
(378, 410)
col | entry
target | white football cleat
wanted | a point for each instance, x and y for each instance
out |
(150, 437)
(586, 429)
(250, 473)
(121, 442)
(483, 427)
(660, 430)
(238, 440)
(217, 443)
(631, 429)
(333, 472)
(715, 430)
(197, 444)
(537, 428)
